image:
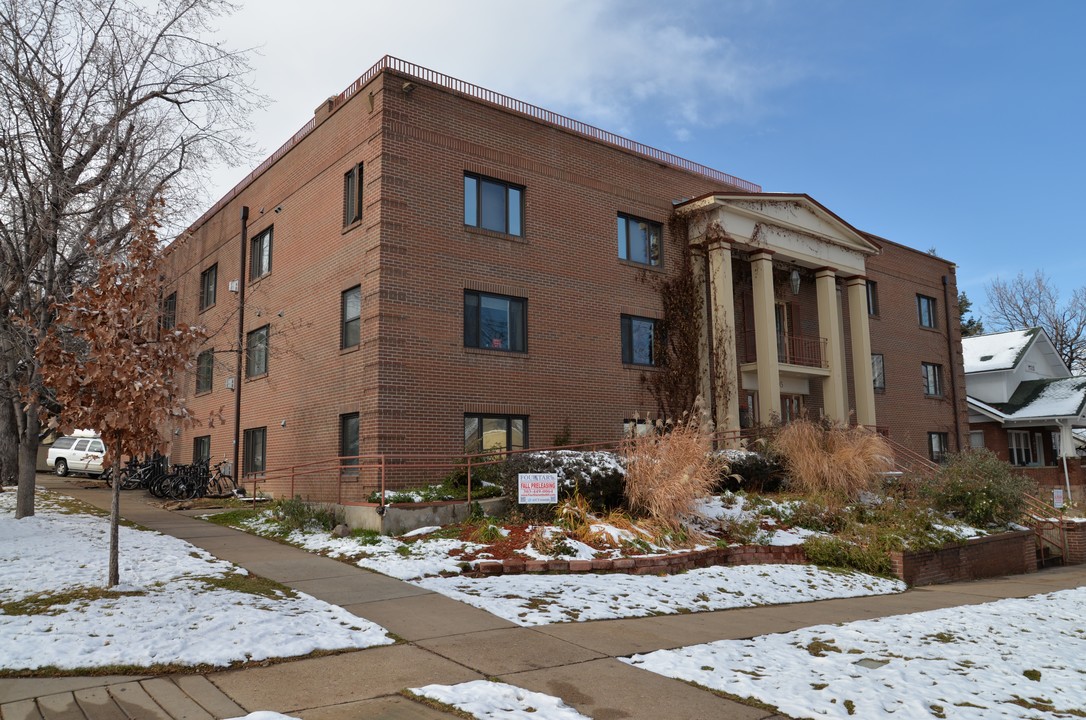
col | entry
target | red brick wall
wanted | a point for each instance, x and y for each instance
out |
(1011, 553)
(902, 273)
(411, 380)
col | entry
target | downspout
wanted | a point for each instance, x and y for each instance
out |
(241, 341)
(1063, 452)
(950, 359)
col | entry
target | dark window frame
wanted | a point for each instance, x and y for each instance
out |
(209, 280)
(349, 446)
(473, 322)
(347, 339)
(627, 331)
(250, 362)
(927, 312)
(932, 374)
(260, 253)
(253, 438)
(872, 298)
(876, 377)
(474, 206)
(352, 195)
(623, 223)
(201, 448)
(938, 446)
(205, 371)
(168, 319)
(509, 418)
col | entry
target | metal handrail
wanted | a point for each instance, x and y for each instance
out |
(1041, 513)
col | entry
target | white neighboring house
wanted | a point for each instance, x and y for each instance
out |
(1026, 406)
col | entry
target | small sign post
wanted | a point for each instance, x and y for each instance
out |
(538, 488)
(1057, 498)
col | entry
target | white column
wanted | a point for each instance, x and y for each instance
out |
(829, 328)
(861, 350)
(725, 370)
(765, 334)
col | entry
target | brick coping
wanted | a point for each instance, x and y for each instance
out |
(648, 564)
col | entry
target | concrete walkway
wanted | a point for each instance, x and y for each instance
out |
(445, 641)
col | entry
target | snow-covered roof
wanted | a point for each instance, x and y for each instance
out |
(1062, 397)
(998, 351)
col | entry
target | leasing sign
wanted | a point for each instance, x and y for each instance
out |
(537, 488)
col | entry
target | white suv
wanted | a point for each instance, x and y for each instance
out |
(75, 453)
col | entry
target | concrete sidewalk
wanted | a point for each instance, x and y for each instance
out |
(445, 641)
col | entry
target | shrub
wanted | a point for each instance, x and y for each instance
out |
(829, 551)
(980, 489)
(481, 475)
(667, 473)
(594, 475)
(296, 514)
(749, 471)
(832, 462)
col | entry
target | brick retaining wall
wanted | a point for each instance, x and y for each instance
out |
(651, 565)
(1010, 553)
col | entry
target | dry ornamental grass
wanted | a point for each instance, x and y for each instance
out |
(832, 462)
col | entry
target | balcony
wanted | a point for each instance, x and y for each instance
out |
(802, 350)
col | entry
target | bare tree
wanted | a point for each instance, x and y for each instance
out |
(112, 367)
(1026, 302)
(104, 105)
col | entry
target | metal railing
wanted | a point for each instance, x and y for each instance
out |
(354, 480)
(1045, 521)
(805, 350)
(422, 74)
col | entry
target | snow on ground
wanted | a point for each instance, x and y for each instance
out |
(171, 607)
(1017, 658)
(542, 599)
(485, 700)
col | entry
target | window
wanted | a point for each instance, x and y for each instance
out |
(256, 440)
(1024, 448)
(350, 317)
(260, 250)
(933, 379)
(925, 308)
(256, 352)
(495, 322)
(872, 298)
(348, 443)
(484, 433)
(639, 240)
(205, 367)
(637, 428)
(201, 448)
(169, 312)
(352, 195)
(937, 446)
(878, 371)
(638, 340)
(208, 280)
(976, 439)
(493, 205)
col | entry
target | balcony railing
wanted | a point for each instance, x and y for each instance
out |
(793, 349)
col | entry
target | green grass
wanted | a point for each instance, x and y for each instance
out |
(249, 584)
(54, 603)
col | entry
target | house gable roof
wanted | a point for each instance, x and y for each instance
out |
(997, 351)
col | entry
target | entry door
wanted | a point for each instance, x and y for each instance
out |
(791, 407)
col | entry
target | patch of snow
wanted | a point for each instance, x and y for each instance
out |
(997, 351)
(485, 699)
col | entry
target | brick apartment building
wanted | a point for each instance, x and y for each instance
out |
(430, 266)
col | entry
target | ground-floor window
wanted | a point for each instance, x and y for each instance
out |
(748, 409)
(637, 427)
(1024, 448)
(348, 444)
(976, 439)
(938, 446)
(255, 446)
(201, 449)
(484, 433)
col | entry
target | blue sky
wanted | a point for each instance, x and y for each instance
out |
(949, 125)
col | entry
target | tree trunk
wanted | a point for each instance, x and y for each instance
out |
(115, 519)
(28, 463)
(9, 443)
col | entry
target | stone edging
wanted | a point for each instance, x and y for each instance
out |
(648, 565)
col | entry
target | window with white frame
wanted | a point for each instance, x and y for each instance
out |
(260, 248)
(1023, 448)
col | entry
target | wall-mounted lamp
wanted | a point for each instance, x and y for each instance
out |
(278, 209)
(282, 423)
(177, 432)
(793, 280)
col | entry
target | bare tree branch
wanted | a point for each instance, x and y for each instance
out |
(1026, 302)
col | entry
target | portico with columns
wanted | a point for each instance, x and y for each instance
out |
(759, 255)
